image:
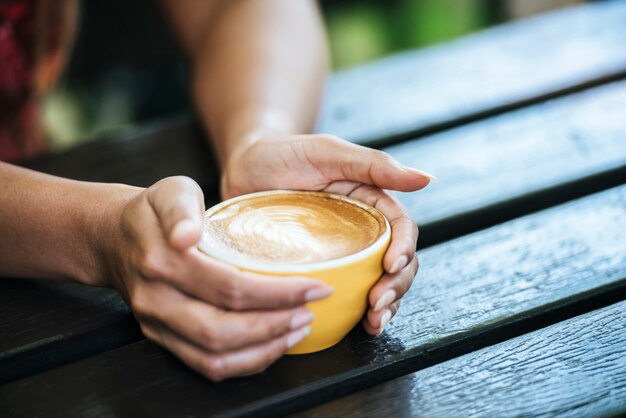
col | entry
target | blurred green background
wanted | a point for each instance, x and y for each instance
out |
(126, 69)
(364, 30)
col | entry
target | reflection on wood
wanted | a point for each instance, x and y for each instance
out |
(470, 289)
(574, 368)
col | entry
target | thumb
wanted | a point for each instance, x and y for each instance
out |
(347, 161)
(179, 204)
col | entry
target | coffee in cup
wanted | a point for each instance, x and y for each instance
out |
(331, 237)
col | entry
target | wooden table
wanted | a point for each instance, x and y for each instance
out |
(519, 307)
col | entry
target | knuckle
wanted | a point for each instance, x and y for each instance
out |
(395, 306)
(267, 362)
(213, 368)
(210, 336)
(329, 139)
(152, 265)
(271, 326)
(147, 331)
(233, 294)
(383, 157)
(272, 355)
(278, 326)
(415, 264)
(140, 303)
(406, 285)
(289, 297)
(182, 181)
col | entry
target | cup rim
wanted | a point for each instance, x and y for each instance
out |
(295, 268)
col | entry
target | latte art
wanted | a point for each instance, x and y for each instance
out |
(278, 225)
(300, 227)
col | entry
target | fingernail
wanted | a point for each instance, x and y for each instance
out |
(318, 293)
(423, 173)
(385, 300)
(182, 228)
(384, 320)
(297, 336)
(399, 264)
(301, 318)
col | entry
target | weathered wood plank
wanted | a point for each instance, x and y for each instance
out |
(575, 368)
(495, 70)
(524, 160)
(490, 171)
(471, 290)
(480, 165)
(48, 324)
(171, 147)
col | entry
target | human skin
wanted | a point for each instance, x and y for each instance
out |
(220, 321)
(258, 75)
(143, 243)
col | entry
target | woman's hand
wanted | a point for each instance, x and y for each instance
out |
(219, 320)
(327, 163)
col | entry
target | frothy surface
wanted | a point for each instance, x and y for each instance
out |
(293, 228)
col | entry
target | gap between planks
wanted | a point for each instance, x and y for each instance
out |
(431, 355)
(417, 133)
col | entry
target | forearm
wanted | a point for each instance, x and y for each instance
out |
(52, 227)
(259, 70)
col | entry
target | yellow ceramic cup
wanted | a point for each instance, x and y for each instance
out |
(352, 277)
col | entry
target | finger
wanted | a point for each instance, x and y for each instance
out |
(375, 322)
(179, 204)
(227, 287)
(392, 287)
(214, 329)
(347, 161)
(235, 330)
(404, 232)
(342, 187)
(249, 360)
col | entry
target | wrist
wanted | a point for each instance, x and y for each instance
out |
(102, 226)
(248, 126)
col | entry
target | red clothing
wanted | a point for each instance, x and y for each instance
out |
(31, 42)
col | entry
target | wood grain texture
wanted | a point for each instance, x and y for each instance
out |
(517, 162)
(490, 171)
(42, 324)
(46, 324)
(141, 158)
(469, 290)
(575, 368)
(479, 75)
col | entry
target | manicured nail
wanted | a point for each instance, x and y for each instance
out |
(182, 228)
(297, 336)
(399, 264)
(384, 320)
(423, 173)
(385, 300)
(318, 293)
(301, 318)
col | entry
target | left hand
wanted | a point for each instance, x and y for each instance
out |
(330, 164)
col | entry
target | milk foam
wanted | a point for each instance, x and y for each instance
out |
(292, 228)
(280, 225)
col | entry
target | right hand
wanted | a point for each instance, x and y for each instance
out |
(219, 320)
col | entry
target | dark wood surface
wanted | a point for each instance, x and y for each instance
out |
(489, 171)
(167, 148)
(479, 75)
(524, 160)
(576, 368)
(472, 291)
(519, 155)
(45, 324)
